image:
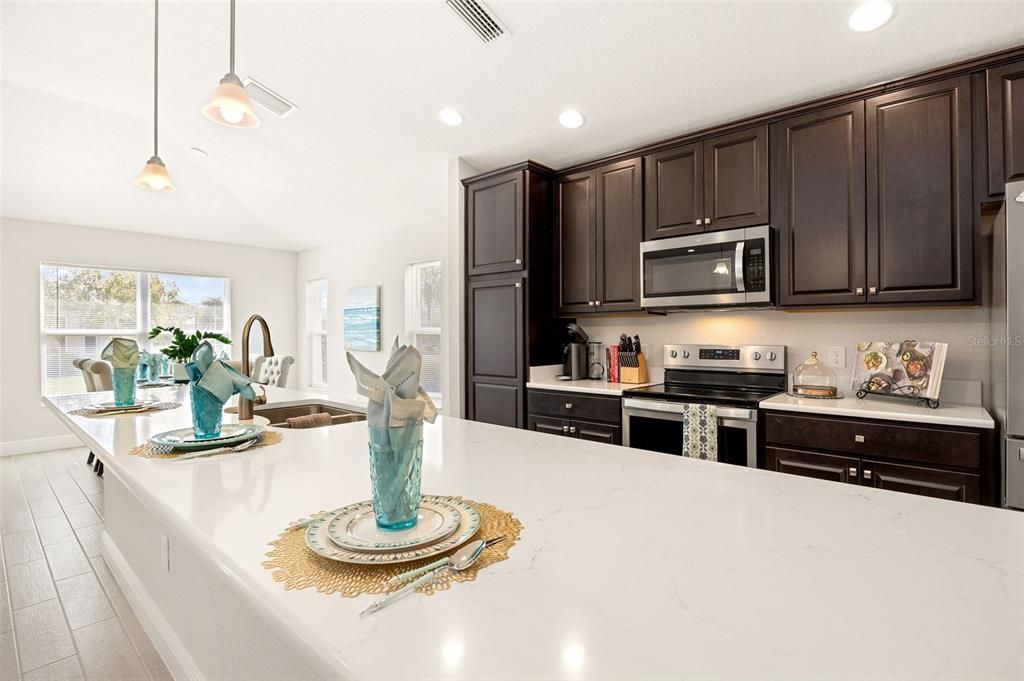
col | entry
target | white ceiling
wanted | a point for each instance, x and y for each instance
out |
(365, 150)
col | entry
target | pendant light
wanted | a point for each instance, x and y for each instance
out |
(154, 176)
(230, 104)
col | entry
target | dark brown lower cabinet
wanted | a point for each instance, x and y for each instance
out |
(945, 462)
(929, 482)
(812, 464)
(558, 413)
(496, 403)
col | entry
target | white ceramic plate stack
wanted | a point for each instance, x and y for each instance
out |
(185, 439)
(351, 535)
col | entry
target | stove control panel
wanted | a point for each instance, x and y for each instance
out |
(761, 358)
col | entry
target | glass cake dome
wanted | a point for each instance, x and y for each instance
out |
(814, 379)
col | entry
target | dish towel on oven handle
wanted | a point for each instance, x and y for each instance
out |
(700, 432)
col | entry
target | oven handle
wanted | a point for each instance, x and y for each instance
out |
(741, 287)
(679, 407)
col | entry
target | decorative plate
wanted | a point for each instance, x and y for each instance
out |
(185, 438)
(111, 406)
(319, 541)
(355, 527)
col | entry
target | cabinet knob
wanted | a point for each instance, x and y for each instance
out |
(565, 429)
(590, 303)
(860, 291)
(519, 284)
(858, 438)
(699, 221)
(519, 261)
(867, 473)
(572, 429)
(597, 302)
(568, 405)
(853, 471)
(707, 221)
(873, 290)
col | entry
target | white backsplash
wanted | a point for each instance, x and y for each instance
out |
(802, 332)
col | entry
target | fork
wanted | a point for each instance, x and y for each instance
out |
(218, 450)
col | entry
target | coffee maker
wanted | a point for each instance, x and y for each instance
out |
(574, 354)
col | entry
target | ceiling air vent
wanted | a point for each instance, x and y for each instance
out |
(268, 99)
(476, 16)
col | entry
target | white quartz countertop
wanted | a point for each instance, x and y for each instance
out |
(631, 564)
(886, 409)
(584, 385)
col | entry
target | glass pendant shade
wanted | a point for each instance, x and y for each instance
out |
(230, 105)
(155, 176)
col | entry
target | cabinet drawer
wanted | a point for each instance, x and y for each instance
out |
(895, 440)
(575, 405)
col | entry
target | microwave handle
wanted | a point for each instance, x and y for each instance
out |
(738, 267)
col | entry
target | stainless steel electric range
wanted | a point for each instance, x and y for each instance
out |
(734, 378)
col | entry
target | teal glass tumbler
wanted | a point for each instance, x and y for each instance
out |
(207, 413)
(396, 464)
(124, 387)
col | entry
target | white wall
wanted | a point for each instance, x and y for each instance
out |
(262, 281)
(803, 332)
(376, 258)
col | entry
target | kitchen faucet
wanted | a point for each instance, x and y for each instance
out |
(245, 404)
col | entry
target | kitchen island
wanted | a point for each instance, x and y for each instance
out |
(631, 564)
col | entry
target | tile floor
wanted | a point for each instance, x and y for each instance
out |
(62, 615)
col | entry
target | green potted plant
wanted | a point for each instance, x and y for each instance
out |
(183, 345)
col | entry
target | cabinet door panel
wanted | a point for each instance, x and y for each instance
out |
(818, 206)
(496, 403)
(1005, 125)
(577, 222)
(496, 328)
(495, 219)
(597, 432)
(674, 191)
(736, 179)
(927, 482)
(812, 464)
(919, 194)
(619, 232)
(548, 424)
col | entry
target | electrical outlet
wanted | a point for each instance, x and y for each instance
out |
(837, 357)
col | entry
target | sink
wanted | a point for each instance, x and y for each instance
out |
(279, 415)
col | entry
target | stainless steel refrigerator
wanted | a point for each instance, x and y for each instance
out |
(1007, 341)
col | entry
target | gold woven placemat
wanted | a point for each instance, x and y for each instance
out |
(149, 451)
(94, 412)
(297, 567)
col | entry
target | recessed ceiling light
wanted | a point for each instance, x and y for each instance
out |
(200, 152)
(870, 15)
(571, 119)
(450, 117)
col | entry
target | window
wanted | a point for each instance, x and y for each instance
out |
(84, 307)
(423, 319)
(316, 330)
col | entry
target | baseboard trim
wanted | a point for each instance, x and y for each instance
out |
(39, 444)
(178, 661)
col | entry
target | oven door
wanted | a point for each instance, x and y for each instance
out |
(706, 270)
(657, 425)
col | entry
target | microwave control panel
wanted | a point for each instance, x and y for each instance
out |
(754, 265)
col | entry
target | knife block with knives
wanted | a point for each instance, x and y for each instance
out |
(632, 365)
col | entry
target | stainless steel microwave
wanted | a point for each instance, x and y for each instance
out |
(730, 268)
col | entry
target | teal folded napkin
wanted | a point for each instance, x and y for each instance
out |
(122, 353)
(216, 377)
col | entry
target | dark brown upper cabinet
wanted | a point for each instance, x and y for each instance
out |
(736, 179)
(817, 184)
(717, 183)
(920, 223)
(494, 214)
(600, 226)
(674, 191)
(1005, 98)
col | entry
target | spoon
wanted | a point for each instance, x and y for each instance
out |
(460, 560)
